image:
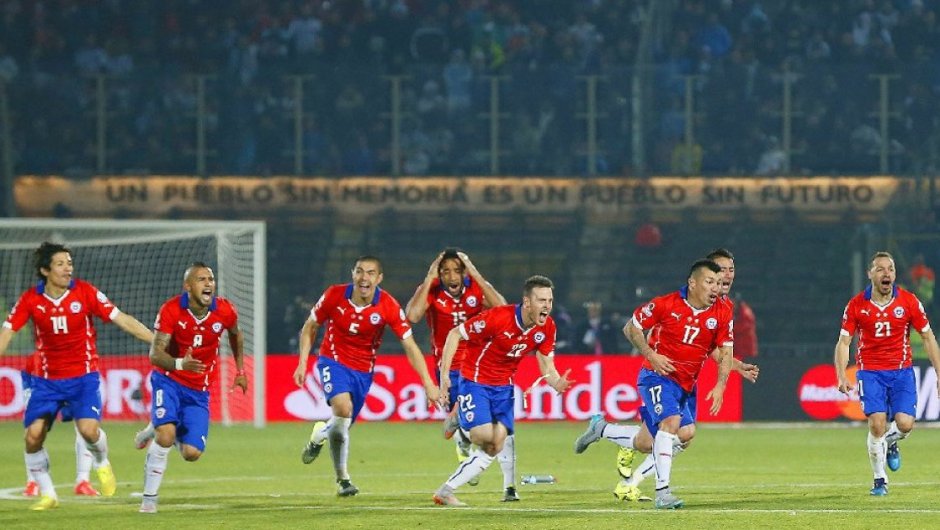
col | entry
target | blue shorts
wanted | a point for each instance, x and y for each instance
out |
(76, 397)
(337, 379)
(454, 389)
(185, 407)
(480, 404)
(662, 398)
(888, 391)
(65, 413)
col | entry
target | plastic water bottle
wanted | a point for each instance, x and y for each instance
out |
(538, 479)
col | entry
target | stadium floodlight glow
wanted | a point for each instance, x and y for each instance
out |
(140, 264)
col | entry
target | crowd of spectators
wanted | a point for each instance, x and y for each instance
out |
(742, 52)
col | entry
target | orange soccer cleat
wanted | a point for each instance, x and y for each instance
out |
(85, 488)
(31, 489)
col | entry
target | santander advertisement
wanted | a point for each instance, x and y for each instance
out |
(601, 384)
(818, 392)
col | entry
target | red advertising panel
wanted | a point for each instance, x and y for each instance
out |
(605, 384)
(125, 389)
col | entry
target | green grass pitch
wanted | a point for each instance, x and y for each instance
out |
(749, 476)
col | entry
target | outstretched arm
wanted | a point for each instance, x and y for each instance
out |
(747, 370)
(236, 341)
(717, 393)
(547, 367)
(6, 335)
(841, 361)
(421, 368)
(933, 353)
(133, 327)
(308, 335)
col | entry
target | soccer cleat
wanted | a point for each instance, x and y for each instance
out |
(451, 424)
(510, 494)
(625, 462)
(893, 457)
(880, 489)
(628, 492)
(312, 449)
(107, 480)
(345, 488)
(142, 438)
(446, 498)
(85, 488)
(592, 434)
(31, 489)
(667, 501)
(148, 504)
(45, 503)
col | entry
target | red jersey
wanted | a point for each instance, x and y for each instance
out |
(66, 339)
(201, 334)
(497, 341)
(685, 335)
(445, 312)
(354, 333)
(884, 331)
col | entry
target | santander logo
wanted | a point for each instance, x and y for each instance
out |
(820, 398)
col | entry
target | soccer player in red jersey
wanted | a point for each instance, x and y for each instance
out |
(355, 315)
(185, 353)
(882, 316)
(453, 291)
(497, 339)
(685, 327)
(61, 308)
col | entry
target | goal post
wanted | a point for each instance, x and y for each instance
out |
(138, 265)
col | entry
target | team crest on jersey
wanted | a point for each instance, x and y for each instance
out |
(102, 298)
(478, 326)
(658, 409)
(217, 327)
(539, 337)
(75, 307)
(898, 312)
(328, 388)
(161, 412)
(469, 416)
(711, 323)
(472, 301)
(648, 310)
(374, 318)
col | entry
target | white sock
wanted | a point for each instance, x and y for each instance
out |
(894, 434)
(507, 461)
(37, 465)
(647, 468)
(876, 455)
(321, 435)
(155, 467)
(339, 445)
(621, 435)
(99, 449)
(469, 468)
(83, 459)
(662, 454)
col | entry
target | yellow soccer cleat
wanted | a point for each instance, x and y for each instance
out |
(629, 493)
(107, 480)
(45, 503)
(625, 462)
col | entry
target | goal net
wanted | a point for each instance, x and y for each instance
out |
(138, 265)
